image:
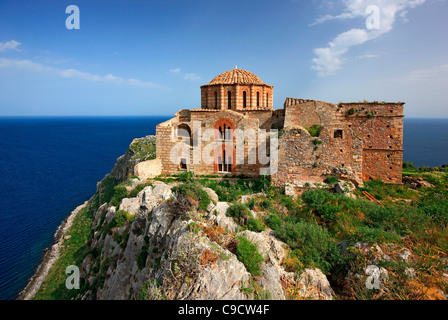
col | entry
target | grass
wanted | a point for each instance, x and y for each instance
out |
(232, 190)
(249, 255)
(72, 252)
(144, 148)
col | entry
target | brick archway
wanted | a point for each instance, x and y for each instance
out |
(224, 153)
(224, 129)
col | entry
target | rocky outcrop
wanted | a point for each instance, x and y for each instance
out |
(147, 248)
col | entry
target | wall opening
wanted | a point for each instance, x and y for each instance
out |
(338, 134)
(216, 100)
(244, 99)
(183, 164)
(258, 99)
(229, 100)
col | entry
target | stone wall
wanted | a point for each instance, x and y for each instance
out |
(380, 125)
(199, 120)
(301, 159)
(360, 141)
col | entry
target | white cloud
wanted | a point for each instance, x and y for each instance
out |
(186, 76)
(330, 59)
(10, 45)
(437, 74)
(28, 65)
(192, 77)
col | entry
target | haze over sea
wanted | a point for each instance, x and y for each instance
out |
(49, 166)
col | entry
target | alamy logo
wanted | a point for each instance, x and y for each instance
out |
(373, 279)
(373, 20)
(72, 281)
(72, 21)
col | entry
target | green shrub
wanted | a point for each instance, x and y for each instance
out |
(316, 197)
(331, 180)
(314, 130)
(315, 243)
(120, 192)
(185, 176)
(273, 221)
(255, 225)
(265, 204)
(239, 210)
(249, 255)
(106, 190)
(194, 193)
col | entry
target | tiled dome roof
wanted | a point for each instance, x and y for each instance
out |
(236, 76)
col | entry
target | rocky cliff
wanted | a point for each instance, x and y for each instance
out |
(164, 249)
(142, 236)
(155, 242)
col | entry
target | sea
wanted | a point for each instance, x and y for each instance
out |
(50, 165)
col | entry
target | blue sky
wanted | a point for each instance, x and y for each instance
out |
(151, 57)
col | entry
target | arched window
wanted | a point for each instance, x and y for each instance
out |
(244, 99)
(224, 129)
(206, 100)
(267, 99)
(184, 133)
(216, 100)
(258, 99)
(229, 100)
(224, 159)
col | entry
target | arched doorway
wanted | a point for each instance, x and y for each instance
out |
(224, 159)
(224, 153)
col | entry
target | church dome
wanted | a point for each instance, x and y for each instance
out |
(236, 76)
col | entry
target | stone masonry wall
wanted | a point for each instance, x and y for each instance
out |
(380, 125)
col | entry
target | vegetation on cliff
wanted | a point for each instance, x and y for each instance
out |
(400, 229)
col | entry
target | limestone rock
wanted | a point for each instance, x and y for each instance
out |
(222, 281)
(270, 247)
(406, 256)
(218, 216)
(148, 169)
(211, 194)
(314, 285)
(410, 272)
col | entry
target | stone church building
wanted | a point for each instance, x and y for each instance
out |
(355, 141)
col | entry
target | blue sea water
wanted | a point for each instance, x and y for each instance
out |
(49, 166)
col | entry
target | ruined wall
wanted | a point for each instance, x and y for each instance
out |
(309, 113)
(300, 159)
(380, 125)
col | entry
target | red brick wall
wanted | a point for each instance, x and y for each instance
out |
(237, 93)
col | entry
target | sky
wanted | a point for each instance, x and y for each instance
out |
(151, 57)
